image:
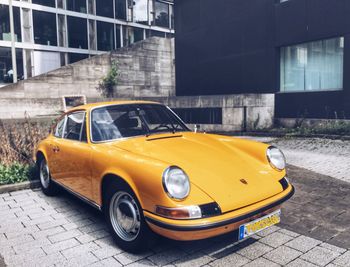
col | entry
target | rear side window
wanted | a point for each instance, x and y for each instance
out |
(74, 126)
(59, 127)
(83, 132)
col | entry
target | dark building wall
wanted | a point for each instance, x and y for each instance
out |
(219, 47)
(300, 21)
(232, 46)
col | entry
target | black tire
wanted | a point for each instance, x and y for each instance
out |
(140, 239)
(47, 186)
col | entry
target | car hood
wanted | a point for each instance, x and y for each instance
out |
(220, 166)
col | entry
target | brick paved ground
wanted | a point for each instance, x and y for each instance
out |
(39, 231)
(319, 208)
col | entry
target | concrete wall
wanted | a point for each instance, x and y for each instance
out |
(146, 71)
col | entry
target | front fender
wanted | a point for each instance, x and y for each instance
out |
(144, 176)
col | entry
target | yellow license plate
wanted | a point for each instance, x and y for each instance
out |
(258, 225)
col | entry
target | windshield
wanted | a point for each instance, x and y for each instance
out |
(120, 121)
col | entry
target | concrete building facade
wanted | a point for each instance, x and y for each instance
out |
(37, 36)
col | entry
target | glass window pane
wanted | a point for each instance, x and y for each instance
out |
(105, 36)
(17, 24)
(161, 14)
(74, 57)
(50, 3)
(120, 9)
(140, 11)
(83, 137)
(119, 121)
(6, 71)
(118, 36)
(92, 34)
(59, 128)
(172, 17)
(77, 32)
(151, 33)
(104, 8)
(62, 30)
(5, 34)
(313, 66)
(19, 63)
(45, 30)
(74, 125)
(128, 36)
(138, 34)
(77, 5)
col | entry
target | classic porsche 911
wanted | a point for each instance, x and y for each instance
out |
(138, 163)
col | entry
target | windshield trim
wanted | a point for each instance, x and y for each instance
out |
(136, 136)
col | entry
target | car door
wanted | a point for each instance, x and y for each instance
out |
(53, 158)
(73, 153)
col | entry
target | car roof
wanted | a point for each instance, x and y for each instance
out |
(119, 102)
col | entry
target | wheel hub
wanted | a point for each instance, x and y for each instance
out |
(44, 174)
(125, 216)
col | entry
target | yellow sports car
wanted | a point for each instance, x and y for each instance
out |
(138, 163)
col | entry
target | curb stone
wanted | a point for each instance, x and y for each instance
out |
(19, 186)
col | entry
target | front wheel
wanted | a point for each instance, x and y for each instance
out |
(47, 186)
(126, 221)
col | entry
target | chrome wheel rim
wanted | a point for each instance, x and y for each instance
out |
(125, 216)
(44, 174)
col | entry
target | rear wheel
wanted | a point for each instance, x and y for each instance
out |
(126, 221)
(47, 186)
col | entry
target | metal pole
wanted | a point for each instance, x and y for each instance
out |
(13, 48)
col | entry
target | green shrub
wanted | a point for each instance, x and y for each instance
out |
(15, 173)
(106, 86)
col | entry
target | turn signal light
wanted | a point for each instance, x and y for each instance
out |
(188, 212)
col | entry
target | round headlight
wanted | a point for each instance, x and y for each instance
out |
(276, 158)
(176, 183)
